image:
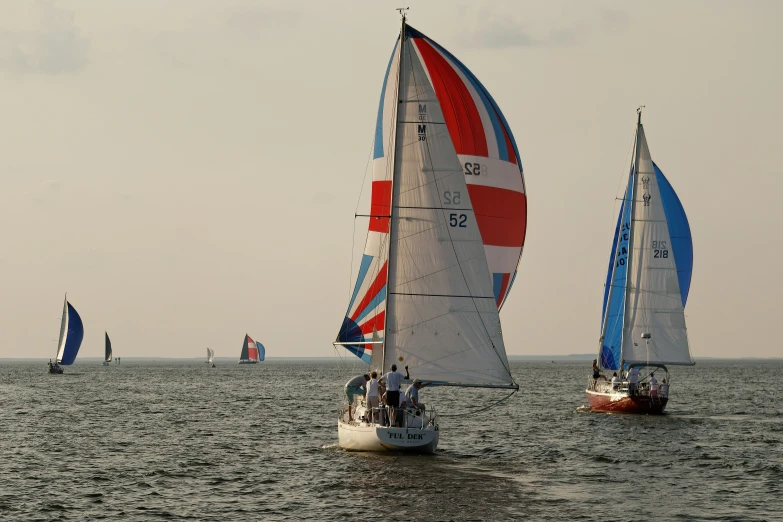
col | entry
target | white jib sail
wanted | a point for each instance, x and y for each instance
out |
(653, 299)
(442, 319)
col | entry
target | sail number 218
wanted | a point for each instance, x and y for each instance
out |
(660, 250)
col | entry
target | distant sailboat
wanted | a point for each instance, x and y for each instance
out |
(428, 289)
(252, 352)
(107, 355)
(210, 356)
(643, 324)
(71, 335)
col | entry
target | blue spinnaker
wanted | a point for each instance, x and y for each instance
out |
(74, 336)
(679, 233)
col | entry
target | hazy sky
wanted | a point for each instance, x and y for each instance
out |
(188, 170)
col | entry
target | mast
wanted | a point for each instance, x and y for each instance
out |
(394, 199)
(630, 232)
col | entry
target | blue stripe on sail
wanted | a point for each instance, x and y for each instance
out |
(350, 332)
(372, 304)
(366, 261)
(378, 148)
(614, 308)
(497, 284)
(494, 111)
(359, 352)
(261, 351)
(74, 336)
(679, 233)
(612, 260)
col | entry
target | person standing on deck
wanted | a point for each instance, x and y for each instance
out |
(653, 385)
(356, 386)
(663, 389)
(374, 396)
(392, 382)
(633, 380)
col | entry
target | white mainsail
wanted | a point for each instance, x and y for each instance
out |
(442, 318)
(210, 355)
(63, 331)
(653, 301)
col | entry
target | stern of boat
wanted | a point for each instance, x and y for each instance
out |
(367, 432)
(603, 398)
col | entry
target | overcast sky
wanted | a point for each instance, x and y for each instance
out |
(188, 170)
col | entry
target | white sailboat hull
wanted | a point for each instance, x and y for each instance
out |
(364, 437)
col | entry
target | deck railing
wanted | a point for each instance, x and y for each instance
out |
(380, 416)
(624, 388)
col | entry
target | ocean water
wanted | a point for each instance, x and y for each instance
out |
(182, 441)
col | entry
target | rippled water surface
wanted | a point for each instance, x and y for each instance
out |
(165, 440)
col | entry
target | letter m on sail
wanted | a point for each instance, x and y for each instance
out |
(422, 129)
(422, 109)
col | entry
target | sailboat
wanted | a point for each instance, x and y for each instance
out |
(107, 355)
(426, 295)
(210, 356)
(643, 319)
(71, 335)
(252, 352)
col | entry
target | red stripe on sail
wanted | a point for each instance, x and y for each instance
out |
(458, 107)
(372, 292)
(252, 353)
(501, 215)
(503, 288)
(380, 205)
(376, 322)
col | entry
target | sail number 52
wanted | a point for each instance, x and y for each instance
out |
(458, 220)
(474, 169)
(451, 198)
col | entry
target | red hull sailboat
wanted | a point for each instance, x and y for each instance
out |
(643, 324)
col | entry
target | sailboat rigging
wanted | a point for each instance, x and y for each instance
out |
(425, 296)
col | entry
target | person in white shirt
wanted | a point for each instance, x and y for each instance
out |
(412, 394)
(392, 382)
(374, 395)
(633, 380)
(664, 388)
(356, 386)
(653, 385)
(615, 381)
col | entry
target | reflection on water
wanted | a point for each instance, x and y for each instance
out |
(144, 441)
